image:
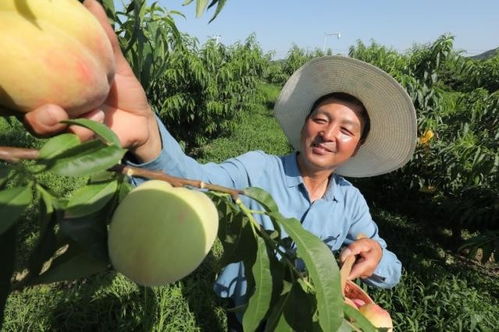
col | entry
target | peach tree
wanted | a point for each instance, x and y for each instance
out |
(72, 241)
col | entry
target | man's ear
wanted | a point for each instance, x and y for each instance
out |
(357, 148)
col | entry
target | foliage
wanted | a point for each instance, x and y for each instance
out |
(455, 166)
(205, 89)
(279, 71)
(198, 91)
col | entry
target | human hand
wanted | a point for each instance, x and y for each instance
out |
(368, 253)
(126, 110)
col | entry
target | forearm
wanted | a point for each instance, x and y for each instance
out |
(388, 272)
(172, 160)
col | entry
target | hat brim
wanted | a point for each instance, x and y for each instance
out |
(392, 137)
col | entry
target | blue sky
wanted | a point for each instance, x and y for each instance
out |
(278, 24)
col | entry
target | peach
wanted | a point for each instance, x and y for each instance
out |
(378, 316)
(160, 234)
(53, 51)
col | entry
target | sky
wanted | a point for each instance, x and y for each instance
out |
(279, 24)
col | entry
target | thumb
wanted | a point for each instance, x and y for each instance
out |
(46, 120)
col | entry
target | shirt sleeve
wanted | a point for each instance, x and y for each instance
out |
(173, 161)
(389, 269)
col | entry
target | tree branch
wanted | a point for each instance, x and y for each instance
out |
(14, 155)
(173, 180)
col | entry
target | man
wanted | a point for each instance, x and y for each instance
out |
(343, 117)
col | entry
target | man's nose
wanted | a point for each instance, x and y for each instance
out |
(329, 134)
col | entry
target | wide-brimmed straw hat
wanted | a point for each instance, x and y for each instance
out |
(392, 136)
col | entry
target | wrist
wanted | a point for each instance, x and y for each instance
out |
(151, 147)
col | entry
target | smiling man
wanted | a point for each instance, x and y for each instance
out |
(344, 117)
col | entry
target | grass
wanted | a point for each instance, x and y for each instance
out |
(439, 291)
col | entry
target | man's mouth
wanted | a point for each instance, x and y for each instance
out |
(324, 146)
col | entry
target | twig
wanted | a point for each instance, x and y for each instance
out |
(15, 155)
(173, 180)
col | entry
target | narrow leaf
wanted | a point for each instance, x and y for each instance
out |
(71, 265)
(220, 5)
(323, 270)
(259, 302)
(318, 259)
(100, 129)
(13, 202)
(58, 144)
(90, 233)
(46, 245)
(300, 308)
(262, 197)
(276, 313)
(200, 7)
(90, 198)
(86, 159)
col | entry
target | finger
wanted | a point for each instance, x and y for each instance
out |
(345, 253)
(46, 120)
(363, 268)
(83, 133)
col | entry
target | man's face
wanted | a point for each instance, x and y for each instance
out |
(330, 136)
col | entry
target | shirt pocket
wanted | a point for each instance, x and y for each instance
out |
(331, 240)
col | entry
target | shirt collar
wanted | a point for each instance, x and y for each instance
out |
(291, 171)
(293, 178)
(333, 191)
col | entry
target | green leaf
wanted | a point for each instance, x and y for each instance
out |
(323, 270)
(300, 308)
(276, 321)
(200, 7)
(259, 302)
(90, 233)
(13, 202)
(220, 5)
(318, 259)
(46, 197)
(262, 197)
(46, 245)
(124, 189)
(4, 175)
(71, 265)
(104, 176)
(86, 159)
(58, 144)
(100, 129)
(90, 198)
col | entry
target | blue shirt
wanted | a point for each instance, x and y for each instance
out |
(337, 218)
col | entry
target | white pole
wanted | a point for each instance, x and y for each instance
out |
(326, 35)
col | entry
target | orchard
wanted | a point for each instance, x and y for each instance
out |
(70, 217)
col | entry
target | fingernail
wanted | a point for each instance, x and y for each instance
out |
(97, 116)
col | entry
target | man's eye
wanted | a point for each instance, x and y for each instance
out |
(346, 131)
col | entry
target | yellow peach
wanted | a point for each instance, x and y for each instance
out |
(53, 51)
(378, 316)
